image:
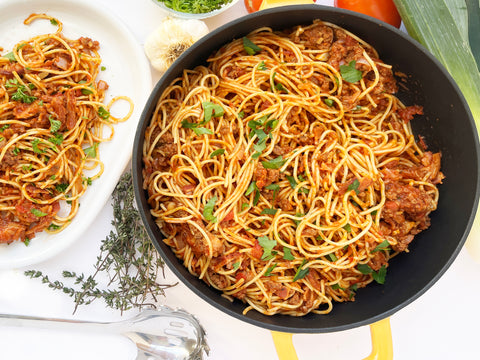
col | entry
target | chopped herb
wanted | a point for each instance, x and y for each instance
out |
(208, 210)
(38, 213)
(304, 191)
(2, 138)
(384, 245)
(354, 287)
(374, 212)
(259, 147)
(26, 241)
(276, 163)
(348, 228)
(262, 66)
(267, 246)
(354, 186)
(88, 92)
(336, 287)
(103, 113)
(103, 68)
(53, 177)
(87, 180)
(251, 188)
(202, 131)
(217, 152)
(57, 139)
(244, 206)
(236, 265)
(269, 211)
(287, 254)
(378, 276)
(10, 57)
(91, 151)
(364, 269)
(4, 127)
(350, 73)
(250, 47)
(292, 181)
(21, 95)
(241, 114)
(331, 257)
(301, 273)
(40, 103)
(54, 124)
(61, 187)
(271, 125)
(16, 151)
(35, 147)
(275, 188)
(328, 102)
(53, 227)
(270, 269)
(211, 109)
(54, 22)
(256, 197)
(27, 167)
(280, 87)
(298, 215)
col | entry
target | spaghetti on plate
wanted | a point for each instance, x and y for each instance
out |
(52, 120)
(285, 173)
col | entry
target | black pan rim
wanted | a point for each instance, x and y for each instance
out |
(140, 194)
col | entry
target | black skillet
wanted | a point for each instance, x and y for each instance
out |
(447, 127)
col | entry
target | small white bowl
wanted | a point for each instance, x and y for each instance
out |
(185, 15)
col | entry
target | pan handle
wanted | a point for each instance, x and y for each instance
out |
(266, 4)
(381, 334)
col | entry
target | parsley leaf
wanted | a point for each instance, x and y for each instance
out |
(328, 102)
(267, 246)
(208, 210)
(103, 113)
(236, 265)
(384, 245)
(348, 228)
(54, 22)
(301, 273)
(378, 276)
(91, 151)
(35, 147)
(202, 131)
(270, 269)
(211, 109)
(354, 186)
(57, 139)
(37, 213)
(251, 188)
(292, 181)
(262, 66)
(276, 163)
(10, 57)
(250, 47)
(61, 187)
(54, 124)
(269, 211)
(21, 95)
(287, 254)
(275, 188)
(349, 73)
(217, 152)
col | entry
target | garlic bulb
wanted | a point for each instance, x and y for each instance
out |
(164, 45)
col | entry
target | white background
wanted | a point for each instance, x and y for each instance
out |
(441, 324)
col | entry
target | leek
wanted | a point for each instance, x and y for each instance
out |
(450, 30)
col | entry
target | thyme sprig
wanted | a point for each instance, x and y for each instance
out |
(127, 257)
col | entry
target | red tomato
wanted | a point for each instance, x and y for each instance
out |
(384, 10)
(252, 5)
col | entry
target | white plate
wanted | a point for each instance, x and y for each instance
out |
(127, 72)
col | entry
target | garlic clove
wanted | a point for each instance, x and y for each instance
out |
(165, 44)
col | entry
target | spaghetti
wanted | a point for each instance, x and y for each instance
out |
(285, 173)
(52, 120)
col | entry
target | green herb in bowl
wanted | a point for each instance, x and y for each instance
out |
(197, 9)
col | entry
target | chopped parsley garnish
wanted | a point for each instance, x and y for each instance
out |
(53, 227)
(244, 206)
(103, 68)
(54, 22)
(91, 152)
(328, 102)
(211, 109)
(241, 114)
(269, 211)
(336, 287)
(27, 167)
(26, 241)
(350, 73)
(10, 57)
(251, 188)
(275, 188)
(208, 210)
(103, 113)
(202, 131)
(270, 269)
(348, 228)
(267, 246)
(262, 66)
(38, 213)
(287, 254)
(236, 265)
(354, 186)
(378, 276)
(331, 257)
(292, 181)
(217, 152)
(61, 187)
(89, 92)
(35, 147)
(276, 163)
(384, 245)
(298, 215)
(301, 273)
(21, 95)
(250, 47)
(57, 139)
(54, 124)
(16, 151)
(4, 127)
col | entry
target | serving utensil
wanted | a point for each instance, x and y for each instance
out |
(158, 334)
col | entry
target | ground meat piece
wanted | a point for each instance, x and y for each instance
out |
(89, 44)
(318, 37)
(71, 108)
(164, 150)
(8, 160)
(308, 301)
(200, 246)
(278, 289)
(235, 71)
(344, 50)
(281, 150)
(220, 281)
(378, 260)
(257, 250)
(102, 85)
(409, 112)
(283, 204)
(11, 231)
(26, 111)
(264, 177)
(414, 201)
(8, 70)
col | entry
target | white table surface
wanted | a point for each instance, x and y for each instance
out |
(441, 324)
